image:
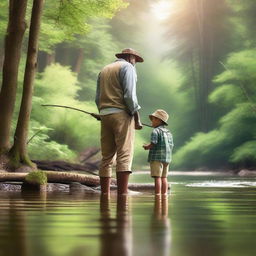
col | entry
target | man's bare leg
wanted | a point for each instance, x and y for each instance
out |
(122, 182)
(105, 185)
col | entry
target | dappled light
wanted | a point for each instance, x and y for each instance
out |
(136, 120)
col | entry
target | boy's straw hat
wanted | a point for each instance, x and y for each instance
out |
(132, 52)
(161, 114)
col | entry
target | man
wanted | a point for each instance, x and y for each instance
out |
(118, 107)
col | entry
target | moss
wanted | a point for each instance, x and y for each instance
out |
(36, 177)
(16, 160)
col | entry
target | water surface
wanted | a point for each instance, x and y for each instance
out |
(204, 215)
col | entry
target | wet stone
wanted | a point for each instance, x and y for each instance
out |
(10, 187)
(78, 187)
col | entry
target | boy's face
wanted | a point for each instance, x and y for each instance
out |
(155, 122)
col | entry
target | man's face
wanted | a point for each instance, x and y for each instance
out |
(132, 59)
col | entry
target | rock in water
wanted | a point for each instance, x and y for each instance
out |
(245, 173)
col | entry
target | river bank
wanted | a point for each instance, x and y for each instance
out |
(89, 184)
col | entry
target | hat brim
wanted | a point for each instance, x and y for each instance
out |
(150, 117)
(122, 55)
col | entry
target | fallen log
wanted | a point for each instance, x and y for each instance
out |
(56, 177)
(87, 154)
(66, 178)
(66, 166)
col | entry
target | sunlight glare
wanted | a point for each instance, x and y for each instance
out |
(162, 9)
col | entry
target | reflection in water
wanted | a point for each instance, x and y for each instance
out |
(201, 221)
(14, 238)
(161, 236)
(16, 231)
(116, 232)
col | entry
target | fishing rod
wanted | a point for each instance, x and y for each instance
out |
(77, 109)
(96, 116)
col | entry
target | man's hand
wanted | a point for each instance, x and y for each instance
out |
(96, 116)
(138, 124)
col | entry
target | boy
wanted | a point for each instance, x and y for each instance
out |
(160, 150)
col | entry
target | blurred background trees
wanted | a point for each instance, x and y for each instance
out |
(199, 66)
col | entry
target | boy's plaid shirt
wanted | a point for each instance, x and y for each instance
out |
(163, 145)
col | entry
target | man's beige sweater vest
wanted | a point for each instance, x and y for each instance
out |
(111, 92)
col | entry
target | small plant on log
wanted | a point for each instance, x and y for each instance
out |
(36, 178)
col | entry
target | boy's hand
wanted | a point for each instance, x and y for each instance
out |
(148, 146)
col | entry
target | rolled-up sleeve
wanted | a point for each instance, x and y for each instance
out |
(128, 80)
(154, 137)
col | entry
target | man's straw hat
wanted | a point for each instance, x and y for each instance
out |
(127, 51)
(161, 114)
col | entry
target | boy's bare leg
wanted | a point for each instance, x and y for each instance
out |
(122, 182)
(105, 185)
(158, 207)
(164, 188)
(164, 205)
(157, 185)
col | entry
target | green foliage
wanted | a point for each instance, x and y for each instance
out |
(63, 20)
(244, 154)
(68, 131)
(41, 147)
(240, 67)
(57, 82)
(77, 130)
(3, 18)
(37, 178)
(244, 20)
(227, 95)
(239, 124)
(204, 149)
(140, 155)
(99, 47)
(50, 36)
(233, 141)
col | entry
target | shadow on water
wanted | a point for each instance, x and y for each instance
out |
(204, 215)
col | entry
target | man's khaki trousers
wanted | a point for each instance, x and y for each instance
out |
(117, 142)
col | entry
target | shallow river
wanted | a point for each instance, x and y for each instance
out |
(203, 216)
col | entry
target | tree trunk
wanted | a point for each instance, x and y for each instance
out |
(79, 60)
(62, 54)
(50, 58)
(1, 57)
(18, 152)
(13, 43)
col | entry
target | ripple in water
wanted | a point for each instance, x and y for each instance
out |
(222, 184)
